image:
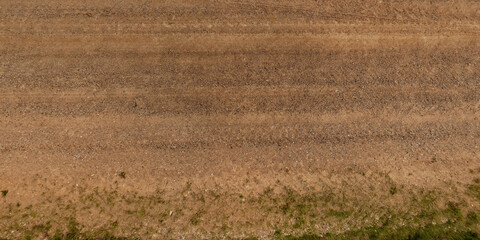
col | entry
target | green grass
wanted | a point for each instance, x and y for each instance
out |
(447, 231)
(443, 231)
(74, 233)
(474, 188)
(195, 219)
(427, 214)
(339, 214)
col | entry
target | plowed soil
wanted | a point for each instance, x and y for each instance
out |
(165, 119)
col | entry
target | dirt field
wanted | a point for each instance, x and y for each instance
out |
(189, 119)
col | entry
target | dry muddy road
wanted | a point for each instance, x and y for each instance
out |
(164, 119)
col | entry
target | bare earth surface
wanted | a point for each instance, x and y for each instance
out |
(165, 119)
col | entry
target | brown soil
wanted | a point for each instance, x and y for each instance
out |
(197, 119)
